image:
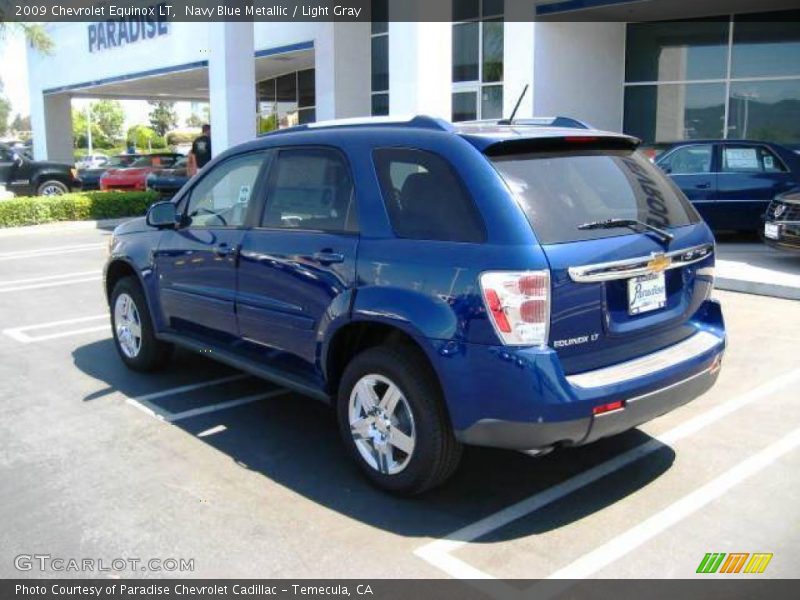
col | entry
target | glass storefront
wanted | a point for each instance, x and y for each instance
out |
(286, 100)
(731, 78)
(477, 59)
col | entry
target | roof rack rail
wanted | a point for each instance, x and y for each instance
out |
(419, 121)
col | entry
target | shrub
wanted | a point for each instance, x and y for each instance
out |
(181, 136)
(79, 206)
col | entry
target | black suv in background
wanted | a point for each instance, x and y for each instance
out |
(26, 177)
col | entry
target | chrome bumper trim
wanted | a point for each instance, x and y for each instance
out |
(633, 267)
(689, 348)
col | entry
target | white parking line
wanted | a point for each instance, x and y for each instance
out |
(145, 404)
(634, 537)
(437, 553)
(55, 281)
(49, 251)
(49, 278)
(20, 334)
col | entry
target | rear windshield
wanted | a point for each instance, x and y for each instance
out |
(560, 191)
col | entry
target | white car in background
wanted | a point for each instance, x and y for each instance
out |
(92, 161)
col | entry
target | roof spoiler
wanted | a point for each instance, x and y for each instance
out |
(557, 121)
(578, 142)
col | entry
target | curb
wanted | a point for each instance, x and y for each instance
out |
(757, 288)
(63, 226)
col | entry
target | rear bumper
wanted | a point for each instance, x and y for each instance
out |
(520, 398)
(637, 410)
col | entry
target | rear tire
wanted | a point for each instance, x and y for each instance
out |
(393, 421)
(52, 187)
(132, 327)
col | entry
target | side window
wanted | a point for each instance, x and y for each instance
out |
(310, 188)
(221, 198)
(750, 159)
(5, 155)
(688, 160)
(424, 197)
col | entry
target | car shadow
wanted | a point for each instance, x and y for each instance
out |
(293, 441)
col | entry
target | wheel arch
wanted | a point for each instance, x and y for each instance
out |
(358, 335)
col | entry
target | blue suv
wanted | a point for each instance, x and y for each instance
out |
(495, 284)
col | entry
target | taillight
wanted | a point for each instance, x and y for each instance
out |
(518, 304)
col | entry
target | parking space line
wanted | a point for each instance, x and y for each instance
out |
(50, 250)
(634, 537)
(20, 334)
(49, 278)
(437, 552)
(48, 284)
(145, 404)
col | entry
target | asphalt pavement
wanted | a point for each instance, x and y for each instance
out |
(203, 463)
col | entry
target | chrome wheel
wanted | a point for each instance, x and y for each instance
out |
(128, 325)
(52, 190)
(381, 424)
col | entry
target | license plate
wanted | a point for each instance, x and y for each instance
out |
(646, 293)
(772, 231)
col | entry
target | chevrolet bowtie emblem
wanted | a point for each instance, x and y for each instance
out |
(659, 263)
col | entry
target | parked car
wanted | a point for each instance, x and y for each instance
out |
(167, 182)
(134, 176)
(782, 222)
(92, 161)
(731, 182)
(517, 287)
(91, 177)
(25, 177)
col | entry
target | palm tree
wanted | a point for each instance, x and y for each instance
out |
(33, 32)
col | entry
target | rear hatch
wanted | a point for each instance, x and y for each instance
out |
(618, 291)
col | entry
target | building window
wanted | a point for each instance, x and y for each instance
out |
(477, 59)
(286, 100)
(380, 57)
(735, 77)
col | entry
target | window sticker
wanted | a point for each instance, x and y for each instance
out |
(244, 193)
(741, 159)
(769, 162)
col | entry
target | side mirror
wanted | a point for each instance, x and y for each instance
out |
(162, 215)
(17, 159)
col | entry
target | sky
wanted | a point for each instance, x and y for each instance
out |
(14, 75)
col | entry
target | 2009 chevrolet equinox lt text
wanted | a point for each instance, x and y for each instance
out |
(516, 286)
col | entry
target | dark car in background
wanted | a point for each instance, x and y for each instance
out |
(26, 177)
(167, 182)
(132, 177)
(91, 177)
(782, 222)
(732, 182)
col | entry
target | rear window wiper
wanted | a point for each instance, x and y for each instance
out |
(665, 236)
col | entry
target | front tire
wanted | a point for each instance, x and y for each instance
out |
(133, 328)
(393, 420)
(52, 187)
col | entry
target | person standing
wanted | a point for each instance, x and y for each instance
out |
(200, 153)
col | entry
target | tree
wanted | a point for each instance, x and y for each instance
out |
(163, 117)
(34, 33)
(109, 116)
(21, 123)
(142, 136)
(107, 119)
(5, 111)
(194, 120)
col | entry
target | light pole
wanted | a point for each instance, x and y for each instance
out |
(89, 127)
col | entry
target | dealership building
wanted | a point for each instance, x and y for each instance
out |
(617, 65)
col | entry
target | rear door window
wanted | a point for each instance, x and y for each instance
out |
(750, 159)
(311, 189)
(425, 198)
(560, 191)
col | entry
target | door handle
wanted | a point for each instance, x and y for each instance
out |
(328, 257)
(703, 186)
(223, 250)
